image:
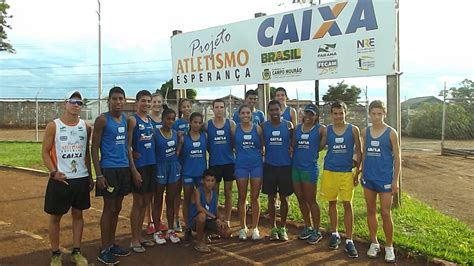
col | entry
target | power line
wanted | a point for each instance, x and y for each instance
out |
(123, 73)
(93, 65)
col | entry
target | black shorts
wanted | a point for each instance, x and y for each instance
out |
(225, 171)
(277, 179)
(209, 226)
(120, 182)
(148, 174)
(60, 197)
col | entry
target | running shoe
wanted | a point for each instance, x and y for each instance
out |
(162, 227)
(305, 233)
(243, 234)
(118, 251)
(56, 260)
(107, 258)
(159, 238)
(173, 236)
(178, 228)
(283, 233)
(389, 255)
(373, 250)
(255, 234)
(334, 241)
(315, 237)
(78, 259)
(351, 250)
(150, 229)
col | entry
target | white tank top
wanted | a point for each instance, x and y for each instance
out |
(69, 151)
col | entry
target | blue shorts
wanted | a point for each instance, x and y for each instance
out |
(168, 172)
(377, 185)
(192, 180)
(246, 172)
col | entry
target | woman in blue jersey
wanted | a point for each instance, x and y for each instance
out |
(182, 127)
(192, 148)
(381, 169)
(289, 113)
(155, 114)
(203, 212)
(248, 139)
(140, 142)
(308, 140)
(168, 173)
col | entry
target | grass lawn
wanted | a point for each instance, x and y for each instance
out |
(418, 227)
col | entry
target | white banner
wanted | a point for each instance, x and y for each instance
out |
(335, 40)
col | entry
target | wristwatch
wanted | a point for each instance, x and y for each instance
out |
(52, 173)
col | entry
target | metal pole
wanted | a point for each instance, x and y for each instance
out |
(443, 123)
(36, 128)
(100, 62)
(366, 107)
(393, 100)
(263, 90)
(181, 93)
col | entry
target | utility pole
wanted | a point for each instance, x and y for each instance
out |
(100, 61)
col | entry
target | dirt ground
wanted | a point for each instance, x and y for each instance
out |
(24, 240)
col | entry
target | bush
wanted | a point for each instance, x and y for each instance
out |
(427, 122)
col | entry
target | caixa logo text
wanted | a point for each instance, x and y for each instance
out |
(363, 16)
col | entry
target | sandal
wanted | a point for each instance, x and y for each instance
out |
(147, 243)
(201, 247)
(137, 249)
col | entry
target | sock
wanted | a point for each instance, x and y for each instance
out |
(56, 253)
(348, 241)
(336, 234)
(76, 250)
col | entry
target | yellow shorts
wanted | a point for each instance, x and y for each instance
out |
(337, 185)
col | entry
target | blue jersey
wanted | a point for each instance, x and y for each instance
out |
(277, 143)
(156, 125)
(194, 155)
(142, 142)
(258, 117)
(306, 148)
(340, 150)
(378, 162)
(165, 148)
(220, 144)
(114, 143)
(247, 148)
(181, 125)
(287, 114)
(210, 206)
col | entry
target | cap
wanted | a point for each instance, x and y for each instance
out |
(72, 93)
(312, 108)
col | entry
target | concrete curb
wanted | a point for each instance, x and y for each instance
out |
(293, 224)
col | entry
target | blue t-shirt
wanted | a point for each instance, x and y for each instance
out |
(114, 143)
(287, 114)
(340, 150)
(247, 148)
(220, 144)
(156, 125)
(209, 206)
(165, 148)
(181, 125)
(194, 155)
(258, 117)
(378, 162)
(277, 143)
(306, 148)
(143, 143)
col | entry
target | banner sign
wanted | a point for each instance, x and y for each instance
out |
(335, 40)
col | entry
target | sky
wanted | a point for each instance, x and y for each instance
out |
(57, 46)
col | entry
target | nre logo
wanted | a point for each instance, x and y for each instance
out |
(362, 17)
(366, 43)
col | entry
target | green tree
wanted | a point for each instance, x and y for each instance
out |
(167, 91)
(4, 43)
(342, 92)
(427, 122)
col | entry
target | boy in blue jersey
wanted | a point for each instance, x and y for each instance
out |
(258, 116)
(221, 153)
(277, 135)
(381, 170)
(112, 170)
(141, 142)
(338, 181)
(203, 212)
(287, 112)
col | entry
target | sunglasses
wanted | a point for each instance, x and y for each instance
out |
(75, 101)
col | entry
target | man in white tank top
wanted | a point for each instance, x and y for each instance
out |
(66, 154)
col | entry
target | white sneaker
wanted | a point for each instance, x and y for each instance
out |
(243, 234)
(159, 238)
(373, 250)
(173, 237)
(389, 254)
(255, 234)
